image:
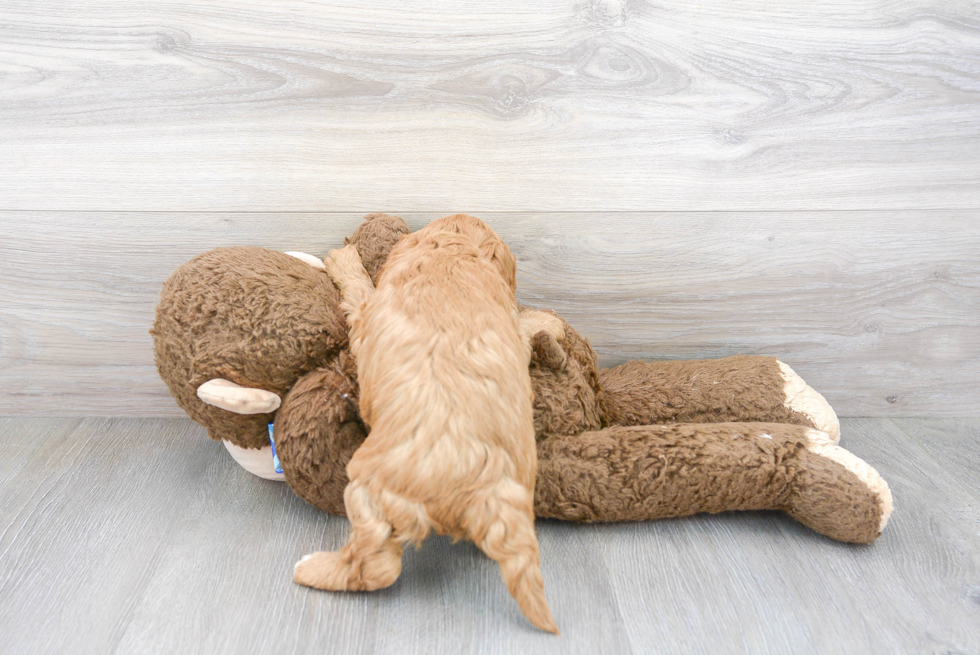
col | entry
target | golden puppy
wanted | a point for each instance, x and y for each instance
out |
(445, 387)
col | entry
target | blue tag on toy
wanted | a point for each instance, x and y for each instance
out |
(275, 458)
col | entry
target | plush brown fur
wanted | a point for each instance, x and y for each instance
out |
(446, 390)
(701, 391)
(663, 471)
(599, 443)
(642, 472)
(253, 316)
(374, 239)
(317, 431)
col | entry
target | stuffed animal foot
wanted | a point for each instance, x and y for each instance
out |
(838, 494)
(804, 399)
(659, 471)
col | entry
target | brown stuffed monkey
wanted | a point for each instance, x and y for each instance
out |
(247, 336)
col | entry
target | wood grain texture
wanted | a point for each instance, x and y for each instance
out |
(877, 310)
(914, 590)
(83, 525)
(602, 105)
(141, 536)
(21, 440)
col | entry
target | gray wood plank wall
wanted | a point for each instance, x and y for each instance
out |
(481, 106)
(874, 311)
(678, 179)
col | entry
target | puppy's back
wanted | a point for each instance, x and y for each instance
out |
(443, 375)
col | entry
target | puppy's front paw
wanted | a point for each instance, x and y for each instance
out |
(547, 353)
(322, 570)
(344, 265)
(534, 321)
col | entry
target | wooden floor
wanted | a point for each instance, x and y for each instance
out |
(139, 535)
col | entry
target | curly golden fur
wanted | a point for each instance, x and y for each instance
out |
(445, 389)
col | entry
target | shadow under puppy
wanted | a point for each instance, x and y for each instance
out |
(446, 391)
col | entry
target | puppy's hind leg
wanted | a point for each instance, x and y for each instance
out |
(372, 558)
(502, 526)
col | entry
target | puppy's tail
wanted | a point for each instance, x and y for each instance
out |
(502, 526)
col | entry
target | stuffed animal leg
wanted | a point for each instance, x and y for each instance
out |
(621, 473)
(649, 472)
(739, 388)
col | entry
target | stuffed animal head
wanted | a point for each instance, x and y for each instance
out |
(250, 318)
(254, 320)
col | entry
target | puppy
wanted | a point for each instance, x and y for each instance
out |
(444, 385)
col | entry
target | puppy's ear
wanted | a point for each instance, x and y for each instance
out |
(497, 252)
